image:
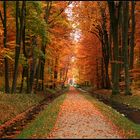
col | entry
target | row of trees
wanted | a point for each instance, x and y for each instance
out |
(114, 25)
(35, 45)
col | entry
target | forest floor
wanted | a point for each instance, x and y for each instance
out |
(14, 104)
(79, 118)
(77, 114)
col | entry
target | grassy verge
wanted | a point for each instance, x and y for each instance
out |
(132, 101)
(45, 121)
(13, 104)
(128, 128)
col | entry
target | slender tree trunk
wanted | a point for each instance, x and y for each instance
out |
(110, 52)
(32, 69)
(105, 48)
(37, 75)
(27, 80)
(55, 72)
(18, 41)
(97, 74)
(43, 66)
(115, 89)
(65, 75)
(107, 79)
(102, 74)
(125, 45)
(17, 50)
(47, 14)
(22, 80)
(7, 88)
(120, 42)
(132, 39)
(25, 68)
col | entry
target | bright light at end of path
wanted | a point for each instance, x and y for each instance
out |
(72, 59)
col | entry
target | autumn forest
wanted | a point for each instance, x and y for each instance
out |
(69, 69)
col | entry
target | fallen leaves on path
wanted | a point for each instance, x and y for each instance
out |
(78, 118)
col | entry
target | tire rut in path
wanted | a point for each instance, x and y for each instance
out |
(78, 118)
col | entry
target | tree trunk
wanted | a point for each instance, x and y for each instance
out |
(32, 69)
(25, 68)
(102, 74)
(105, 47)
(22, 80)
(115, 89)
(107, 79)
(114, 16)
(55, 72)
(27, 80)
(132, 39)
(43, 65)
(37, 76)
(18, 41)
(110, 52)
(47, 14)
(7, 88)
(97, 74)
(65, 75)
(125, 45)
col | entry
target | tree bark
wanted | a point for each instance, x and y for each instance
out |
(114, 17)
(33, 69)
(18, 41)
(7, 88)
(105, 48)
(102, 74)
(132, 39)
(97, 75)
(22, 80)
(125, 45)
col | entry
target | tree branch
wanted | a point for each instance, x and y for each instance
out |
(49, 6)
(93, 32)
(1, 18)
(61, 11)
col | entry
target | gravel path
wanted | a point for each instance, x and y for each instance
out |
(78, 118)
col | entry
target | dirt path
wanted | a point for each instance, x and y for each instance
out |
(78, 118)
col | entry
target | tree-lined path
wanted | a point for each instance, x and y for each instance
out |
(79, 118)
(49, 50)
